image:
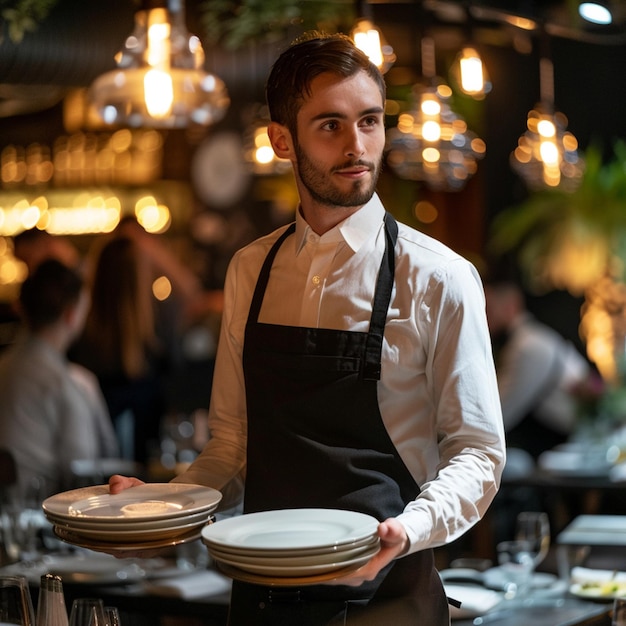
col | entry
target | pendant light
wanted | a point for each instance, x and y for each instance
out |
(468, 69)
(547, 154)
(431, 143)
(369, 38)
(159, 81)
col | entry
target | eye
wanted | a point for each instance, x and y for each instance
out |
(330, 125)
(370, 121)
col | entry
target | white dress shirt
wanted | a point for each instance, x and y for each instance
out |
(438, 394)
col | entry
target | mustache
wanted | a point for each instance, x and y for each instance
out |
(359, 163)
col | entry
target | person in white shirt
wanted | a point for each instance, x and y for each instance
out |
(354, 368)
(52, 412)
(538, 371)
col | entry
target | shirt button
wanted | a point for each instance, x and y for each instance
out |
(316, 280)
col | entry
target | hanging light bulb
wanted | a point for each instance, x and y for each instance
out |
(368, 38)
(159, 81)
(470, 73)
(431, 143)
(547, 154)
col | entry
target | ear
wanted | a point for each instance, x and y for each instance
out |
(281, 141)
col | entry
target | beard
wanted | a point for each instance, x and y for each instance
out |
(318, 181)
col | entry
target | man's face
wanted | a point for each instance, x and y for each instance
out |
(340, 140)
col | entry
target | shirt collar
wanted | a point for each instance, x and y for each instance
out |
(354, 230)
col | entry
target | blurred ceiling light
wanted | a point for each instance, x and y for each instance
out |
(160, 81)
(468, 69)
(368, 38)
(470, 73)
(431, 143)
(595, 12)
(547, 154)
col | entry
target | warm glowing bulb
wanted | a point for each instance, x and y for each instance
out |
(159, 29)
(546, 128)
(369, 42)
(472, 76)
(158, 93)
(549, 153)
(430, 107)
(264, 155)
(431, 131)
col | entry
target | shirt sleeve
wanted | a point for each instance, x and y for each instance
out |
(221, 465)
(466, 406)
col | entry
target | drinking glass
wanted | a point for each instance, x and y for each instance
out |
(112, 615)
(16, 606)
(516, 563)
(534, 527)
(619, 612)
(88, 612)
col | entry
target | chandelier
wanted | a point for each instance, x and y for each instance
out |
(547, 154)
(432, 143)
(159, 81)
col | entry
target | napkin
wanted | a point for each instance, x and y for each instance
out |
(474, 600)
(198, 584)
(588, 575)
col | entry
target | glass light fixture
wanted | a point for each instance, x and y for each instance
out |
(547, 154)
(159, 81)
(431, 143)
(369, 38)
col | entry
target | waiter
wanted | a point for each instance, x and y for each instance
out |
(354, 368)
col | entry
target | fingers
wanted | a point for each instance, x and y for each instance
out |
(393, 541)
(118, 483)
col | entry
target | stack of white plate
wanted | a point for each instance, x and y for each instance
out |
(292, 546)
(149, 516)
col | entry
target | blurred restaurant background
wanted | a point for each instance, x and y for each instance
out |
(529, 164)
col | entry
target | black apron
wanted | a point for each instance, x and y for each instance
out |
(316, 439)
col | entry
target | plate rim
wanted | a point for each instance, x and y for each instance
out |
(364, 530)
(59, 504)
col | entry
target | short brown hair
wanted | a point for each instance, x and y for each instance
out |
(310, 55)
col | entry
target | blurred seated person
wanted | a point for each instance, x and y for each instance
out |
(32, 246)
(51, 411)
(120, 343)
(537, 370)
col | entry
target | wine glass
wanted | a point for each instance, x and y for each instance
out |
(88, 612)
(16, 606)
(534, 527)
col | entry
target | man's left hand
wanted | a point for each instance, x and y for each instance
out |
(393, 543)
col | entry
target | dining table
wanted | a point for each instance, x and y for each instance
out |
(170, 590)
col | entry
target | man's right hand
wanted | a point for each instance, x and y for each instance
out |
(118, 483)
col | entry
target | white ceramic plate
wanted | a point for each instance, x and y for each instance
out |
(284, 581)
(151, 501)
(124, 536)
(284, 560)
(124, 546)
(299, 569)
(79, 524)
(289, 530)
(599, 590)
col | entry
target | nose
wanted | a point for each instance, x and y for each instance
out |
(354, 143)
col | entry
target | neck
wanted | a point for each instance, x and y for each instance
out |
(57, 337)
